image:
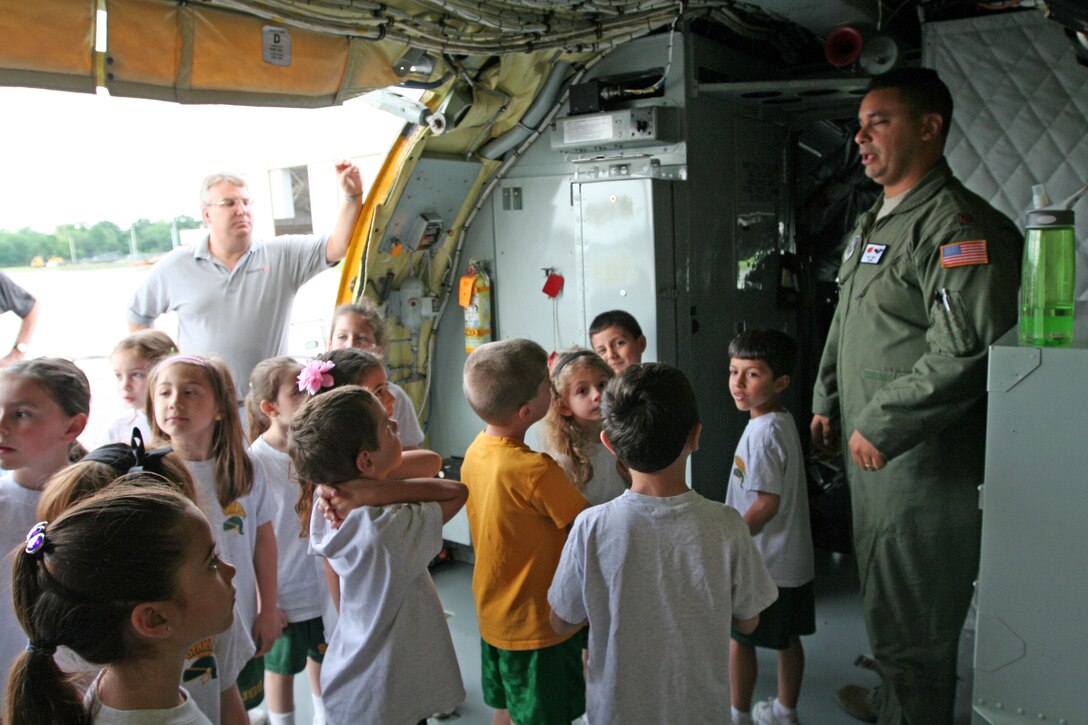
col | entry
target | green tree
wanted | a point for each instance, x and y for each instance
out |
(157, 237)
(103, 239)
(17, 249)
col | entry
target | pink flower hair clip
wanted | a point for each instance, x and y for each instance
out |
(315, 376)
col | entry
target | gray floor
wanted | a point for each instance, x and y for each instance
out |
(830, 653)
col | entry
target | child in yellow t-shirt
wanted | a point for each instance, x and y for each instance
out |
(520, 507)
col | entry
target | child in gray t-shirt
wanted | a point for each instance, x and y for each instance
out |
(659, 573)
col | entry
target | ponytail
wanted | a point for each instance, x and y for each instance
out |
(74, 584)
(38, 693)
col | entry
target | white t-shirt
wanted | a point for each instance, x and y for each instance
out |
(606, 483)
(769, 459)
(120, 430)
(391, 659)
(301, 590)
(235, 529)
(659, 580)
(404, 412)
(212, 665)
(187, 713)
(17, 514)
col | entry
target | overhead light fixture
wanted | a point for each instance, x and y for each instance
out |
(414, 61)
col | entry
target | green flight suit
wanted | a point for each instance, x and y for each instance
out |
(905, 364)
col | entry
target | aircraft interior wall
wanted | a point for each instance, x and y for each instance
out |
(693, 235)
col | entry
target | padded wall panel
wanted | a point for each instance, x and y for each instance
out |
(1021, 113)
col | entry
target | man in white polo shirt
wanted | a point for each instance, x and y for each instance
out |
(233, 295)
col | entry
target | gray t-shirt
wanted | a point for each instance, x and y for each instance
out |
(239, 314)
(14, 297)
(659, 580)
(769, 460)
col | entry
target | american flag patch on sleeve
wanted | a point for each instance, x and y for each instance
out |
(963, 253)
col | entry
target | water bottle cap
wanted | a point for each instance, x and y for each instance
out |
(1044, 218)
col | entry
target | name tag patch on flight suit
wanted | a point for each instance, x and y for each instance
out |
(964, 253)
(873, 253)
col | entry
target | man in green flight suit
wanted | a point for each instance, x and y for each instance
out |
(928, 280)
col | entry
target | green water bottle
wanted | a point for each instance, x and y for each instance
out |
(1046, 284)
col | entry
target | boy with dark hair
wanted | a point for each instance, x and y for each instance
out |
(390, 658)
(767, 487)
(520, 507)
(617, 337)
(660, 572)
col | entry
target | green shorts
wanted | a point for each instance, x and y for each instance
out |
(537, 686)
(791, 615)
(298, 641)
(251, 683)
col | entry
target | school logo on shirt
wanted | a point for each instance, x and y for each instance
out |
(234, 518)
(738, 468)
(200, 662)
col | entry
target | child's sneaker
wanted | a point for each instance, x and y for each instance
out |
(740, 718)
(764, 713)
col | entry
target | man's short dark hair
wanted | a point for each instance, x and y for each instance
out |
(774, 347)
(647, 412)
(921, 89)
(616, 318)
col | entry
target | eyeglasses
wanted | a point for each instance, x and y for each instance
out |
(231, 203)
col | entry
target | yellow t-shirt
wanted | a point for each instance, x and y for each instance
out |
(519, 507)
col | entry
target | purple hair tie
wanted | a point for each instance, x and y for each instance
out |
(36, 540)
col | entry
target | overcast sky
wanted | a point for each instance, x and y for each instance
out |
(70, 158)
